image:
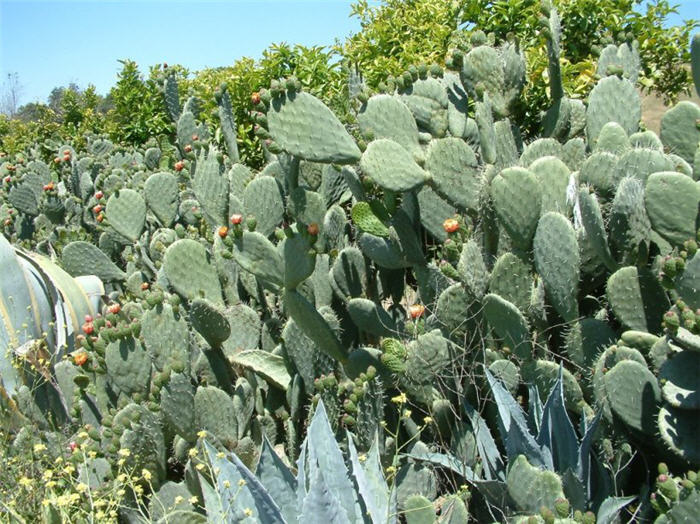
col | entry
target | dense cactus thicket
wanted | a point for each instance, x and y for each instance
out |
(411, 317)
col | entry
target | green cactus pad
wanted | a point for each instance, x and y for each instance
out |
(612, 100)
(507, 144)
(350, 273)
(386, 116)
(532, 488)
(679, 377)
(592, 218)
(262, 198)
(126, 213)
(557, 262)
(216, 414)
(299, 260)
(245, 329)
(364, 218)
(23, 198)
(303, 126)
(613, 139)
(672, 204)
(257, 255)
(307, 207)
(688, 283)
(371, 318)
(239, 177)
(507, 372)
(82, 258)
(427, 357)
(609, 358)
(392, 167)
(165, 335)
(308, 359)
(177, 406)
(189, 270)
(540, 148)
(162, 197)
(679, 429)
(334, 229)
(128, 365)
(228, 125)
(269, 366)
(433, 212)
(517, 198)
(629, 224)
(640, 163)
(454, 169)
(472, 269)
(597, 170)
(487, 135)
(679, 130)
(637, 299)
(209, 321)
(553, 176)
(210, 185)
(509, 323)
(511, 279)
(418, 510)
(633, 395)
(313, 325)
(455, 310)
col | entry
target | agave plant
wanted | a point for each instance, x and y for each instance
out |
(324, 489)
(546, 465)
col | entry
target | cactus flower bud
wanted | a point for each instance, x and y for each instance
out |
(179, 166)
(97, 209)
(255, 98)
(236, 219)
(450, 225)
(312, 229)
(80, 358)
(99, 195)
(416, 310)
(222, 231)
(114, 309)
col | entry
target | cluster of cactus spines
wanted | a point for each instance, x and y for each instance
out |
(231, 299)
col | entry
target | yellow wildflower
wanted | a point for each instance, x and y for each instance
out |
(25, 482)
(400, 399)
(39, 448)
(146, 474)
(124, 452)
(248, 512)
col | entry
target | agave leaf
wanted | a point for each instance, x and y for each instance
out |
(278, 481)
(556, 431)
(494, 469)
(251, 495)
(325, 455)
(611, 506)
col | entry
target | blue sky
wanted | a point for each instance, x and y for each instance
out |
(54, 42)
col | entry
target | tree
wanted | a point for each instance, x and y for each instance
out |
(10, 95)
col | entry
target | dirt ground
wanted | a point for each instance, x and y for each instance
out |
(653, 109)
